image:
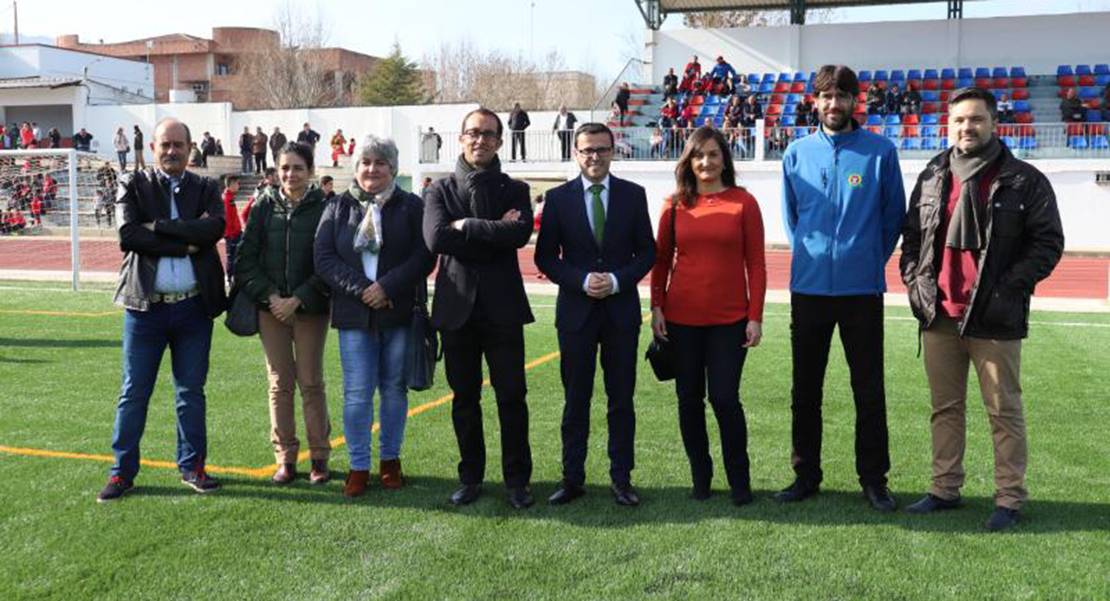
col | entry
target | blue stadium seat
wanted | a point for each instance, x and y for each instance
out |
(998, 72)
(754, 78)
(790, 109)
(1103, 79)
(948, 73)
(800, 132)
(712, 100)
(897, 75)
(1022, 106)
(800, 77)
(722, 109)
(966, 73)
(1099, 142)
(1093, 116)
(699, 121)
(766, 87)
(929, 131)
(794, 98)
(930, 119)
(768, 78)
(915, 74)
(1027, 143)
(893, 120)
(1078, 142)
(982, 72)
(1063, 70)
(965, 82)
(708, 110)
(911, 143)
(1017, 72)
(930, 143)
(931, 74)
(1089, 93)
(1010, 141)
(788, 121)
(1082, 69)
(719, 121)
(784, 77)
(1102, 69)
(880, 75)
(874, 120)
(864, 75)
(998, 94)
(892, 131)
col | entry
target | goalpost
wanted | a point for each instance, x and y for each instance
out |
(66, 199)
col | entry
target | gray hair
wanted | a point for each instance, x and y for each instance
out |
(373, 146)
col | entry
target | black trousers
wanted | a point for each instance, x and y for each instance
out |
(260, 162)
(712, 354)
(565, 143)
(578, 366)
(518, 140)
(503, 348)
(860, 319)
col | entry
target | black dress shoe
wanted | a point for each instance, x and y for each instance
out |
(1003, 519)
(742, 497)
(930, 503)
(567, 492)
(625, 494)
(879, 498)
(466, 494)
(797, 491)
(521, 498)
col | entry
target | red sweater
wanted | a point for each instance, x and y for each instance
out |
(231, 217)
(959, 268)
(720, 276)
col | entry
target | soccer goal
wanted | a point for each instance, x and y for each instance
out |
(58, 216)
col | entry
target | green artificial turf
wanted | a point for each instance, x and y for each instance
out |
(60, 378)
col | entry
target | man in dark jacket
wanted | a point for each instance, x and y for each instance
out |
(172, 284)
(982, 229)
(246, 152)
(518, 122)
(277, 142)
(308, 136)
(1071, 107)
(476, 220)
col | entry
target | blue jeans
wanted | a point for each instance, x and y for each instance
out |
(248, 162)
(186, 329)
(373, 359)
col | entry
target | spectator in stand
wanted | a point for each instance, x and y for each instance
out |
(614, 113)
(430, 143)
(308, 136)
(670, 84)
(196, 157)
(259, 147)
(351, 145)
(122, 148)
(668, 114)
(518, 122)
(723, 73)
(537, 216)
(658, 143)
(49, 189)
(327, 184)
(81, 139)
(688, 116)
(13, 136)
(424, 185)
(692, 71)
(338, 145)
(16, 222)
(207, 148)
(1106, 103)
(233, 230)
(4, 226)
(623, 96)
(246, 140)
(876, 100)
(911, 102)
(277, 142)
(734, 111)
(36, 132)
(564, 128)
(1071, 108)
(753, 111)
(1005, 109)
(894, 100)
(219, 148)
(37, 211)
(741, 87)
(140, 162)
(801, 113)
(105, 205)
(55, 137)
(26, 136)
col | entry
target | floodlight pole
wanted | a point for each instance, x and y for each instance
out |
(74, 230)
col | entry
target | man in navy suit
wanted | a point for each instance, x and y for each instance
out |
(596, 243)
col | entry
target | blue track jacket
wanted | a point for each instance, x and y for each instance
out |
(843, 204)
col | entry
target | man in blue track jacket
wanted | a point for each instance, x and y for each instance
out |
(843, 203)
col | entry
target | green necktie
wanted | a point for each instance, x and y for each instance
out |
(599, 213)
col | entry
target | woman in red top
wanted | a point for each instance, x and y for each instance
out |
(707, 306)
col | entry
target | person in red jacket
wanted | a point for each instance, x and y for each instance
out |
(36, 211)
(233, 230)
(707, 294)
(16, 222)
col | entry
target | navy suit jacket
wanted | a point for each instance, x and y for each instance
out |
(566, 251)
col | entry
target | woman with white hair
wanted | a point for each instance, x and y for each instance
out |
(370, 250)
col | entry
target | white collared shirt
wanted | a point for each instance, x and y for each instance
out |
(174, 275)
(588, 198)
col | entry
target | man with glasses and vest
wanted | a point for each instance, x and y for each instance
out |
(476, 220)
(982, 230)
(172, 286)
(596, 243)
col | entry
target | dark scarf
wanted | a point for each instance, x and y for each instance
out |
(965, 229)
(481, 186)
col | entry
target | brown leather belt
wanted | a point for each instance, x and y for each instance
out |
(176, 297)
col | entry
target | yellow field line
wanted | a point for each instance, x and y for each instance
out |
(261, 472)
(60, 313)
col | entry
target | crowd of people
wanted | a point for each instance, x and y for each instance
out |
(358, 259)
(26, 197)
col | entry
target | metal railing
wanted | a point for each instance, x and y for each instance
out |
(633, 71)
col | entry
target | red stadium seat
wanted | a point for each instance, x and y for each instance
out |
(861, 109)
(778, 98)
(1066, 81)
(1092, 103)
(875, 129)
(914, 84)
(861, 98)
(811, 99)
(798, 87)
(1087, 80)
(948, 84)
(984, 82)
(944, 108)
(929, 108)
(1021, 94)
(931, 84)
(1001, 83)
(1075, 129)
(697, 100)
(1062, 92)
(945, 95)
(770, 121)
(910, 131)
(1019, 82)
(1096, 129)
(1007, 131)
(782, 87)
(1024, 117)
(1027, 131)
(910, 119)
(774, 109)
(864, 86)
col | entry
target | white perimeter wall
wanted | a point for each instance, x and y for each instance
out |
(1038, 43)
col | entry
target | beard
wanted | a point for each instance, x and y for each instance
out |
(835, 122)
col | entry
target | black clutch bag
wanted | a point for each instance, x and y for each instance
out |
(660, 354)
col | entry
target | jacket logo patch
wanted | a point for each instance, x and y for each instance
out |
(855, 180)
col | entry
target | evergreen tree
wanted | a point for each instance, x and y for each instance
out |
(395, 81)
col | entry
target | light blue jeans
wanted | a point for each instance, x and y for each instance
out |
(373, 359)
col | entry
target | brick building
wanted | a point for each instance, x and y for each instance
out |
(211, 70)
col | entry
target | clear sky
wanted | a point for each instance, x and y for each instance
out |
(598, 36)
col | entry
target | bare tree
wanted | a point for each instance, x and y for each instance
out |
(291, 69)
(726, 19)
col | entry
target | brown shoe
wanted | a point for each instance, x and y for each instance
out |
(319, 473)
(391, 474)
(285, 473)
(356, 483)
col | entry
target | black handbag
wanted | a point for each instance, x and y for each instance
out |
(423, 344)
(660, 353)
(242, 316)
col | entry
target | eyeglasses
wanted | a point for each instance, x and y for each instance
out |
(478, 134)
(600, 152)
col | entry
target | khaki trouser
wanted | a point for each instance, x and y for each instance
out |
(998, 363)
(295, 353)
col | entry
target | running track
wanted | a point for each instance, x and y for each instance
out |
(1074, 277)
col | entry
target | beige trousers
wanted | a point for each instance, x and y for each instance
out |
(295, 355)
(998, 364)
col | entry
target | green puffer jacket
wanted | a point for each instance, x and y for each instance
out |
(275, 255)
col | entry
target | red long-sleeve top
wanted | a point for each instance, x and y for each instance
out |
(720, 274)
(232, 228)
